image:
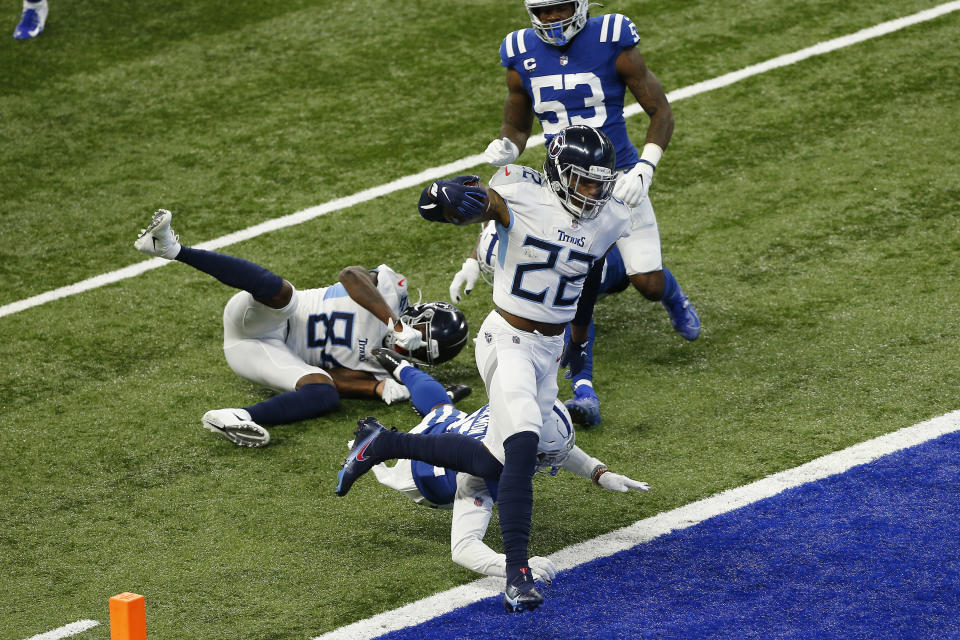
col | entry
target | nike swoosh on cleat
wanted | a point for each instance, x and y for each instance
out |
(362, 449)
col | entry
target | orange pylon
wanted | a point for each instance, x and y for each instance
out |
(128, 617)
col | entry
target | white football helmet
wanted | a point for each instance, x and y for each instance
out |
(487, 246)
(558, 33)
(557, 438)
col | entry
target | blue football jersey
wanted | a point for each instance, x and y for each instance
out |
(579, 85)
(436, 484)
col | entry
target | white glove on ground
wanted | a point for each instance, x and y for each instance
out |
(633, 186)
(393, 391)
(467, 275)
(543, 568)
(501, 152)
(407, 338)
(617, 482)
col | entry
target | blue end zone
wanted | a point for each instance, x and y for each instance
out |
(871, 553)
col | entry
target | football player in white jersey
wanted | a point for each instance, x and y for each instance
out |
(554, 229)
(571, 68)
(472, 497)
(583, 407)
(313, 346)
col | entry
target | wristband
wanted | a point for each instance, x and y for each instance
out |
(651, 154)
(598, 471)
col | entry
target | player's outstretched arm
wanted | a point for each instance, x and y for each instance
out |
(461, 201)
(586, 466)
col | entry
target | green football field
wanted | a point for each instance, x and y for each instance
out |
(812, 214)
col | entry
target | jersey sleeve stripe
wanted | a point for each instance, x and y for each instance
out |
(618, 22)
(335, 291)
(509, 42)
(521, 40)
(603, 29)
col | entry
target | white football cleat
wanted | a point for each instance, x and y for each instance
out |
(158, 239)
(32, 20)
(236, 426)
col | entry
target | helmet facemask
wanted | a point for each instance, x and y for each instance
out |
(562, 32)
(598, 181)
(444, 331)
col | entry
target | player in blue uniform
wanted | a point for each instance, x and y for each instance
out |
(571, 68)
(472, 497)
(584, 409)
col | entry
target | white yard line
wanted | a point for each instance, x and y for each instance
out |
(658, 525)
(470, 161)
(66, 631)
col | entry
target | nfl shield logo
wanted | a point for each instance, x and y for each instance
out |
(488, 337)
(516, 340)
(563, 61)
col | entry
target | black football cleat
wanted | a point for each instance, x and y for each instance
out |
(521, 594)
(457, 392)
(391, 361)
(358, 463)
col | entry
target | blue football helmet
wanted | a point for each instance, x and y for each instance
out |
(580, 169)
(444, 330)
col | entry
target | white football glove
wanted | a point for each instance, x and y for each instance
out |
(633, 186)
(393, 391)
(467, 275)
(407, 338)
(543, 568)
(616, 482)
(501, 152)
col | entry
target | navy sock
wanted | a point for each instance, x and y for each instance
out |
(238, 273)
(670, 287)
(309, 401)
(448, 450)
(587, 372)
(515, 499)
(425, 391)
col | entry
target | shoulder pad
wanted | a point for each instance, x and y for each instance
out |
(617, 28)
(514, 174)
(513, 45)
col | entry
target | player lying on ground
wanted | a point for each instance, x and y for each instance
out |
(312, 346)
(470, 496)
(584, 407)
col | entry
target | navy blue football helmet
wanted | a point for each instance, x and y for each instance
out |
(444, 329)
(580, 168)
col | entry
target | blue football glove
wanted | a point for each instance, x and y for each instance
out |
(575, 357)
(470, 202)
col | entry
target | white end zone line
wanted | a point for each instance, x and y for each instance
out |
(472, 161)
(658, 525)
(66, 631)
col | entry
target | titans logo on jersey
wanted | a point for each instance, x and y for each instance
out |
(578, 84)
